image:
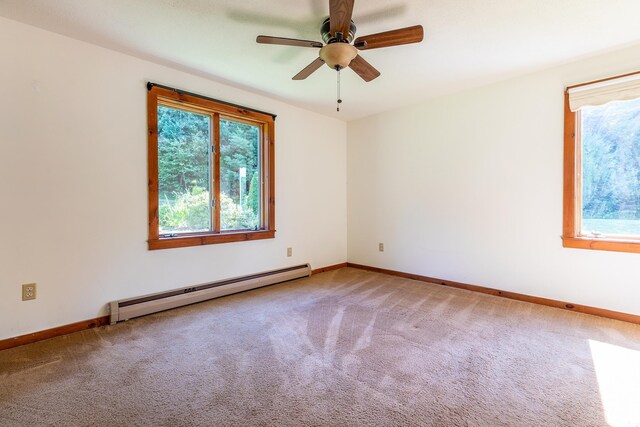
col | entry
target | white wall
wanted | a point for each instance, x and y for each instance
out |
(73, 183)
(468, 188)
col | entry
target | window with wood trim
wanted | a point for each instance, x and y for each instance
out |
(211, 171)
(602, 165)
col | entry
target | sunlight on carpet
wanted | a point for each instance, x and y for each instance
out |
(618, 372)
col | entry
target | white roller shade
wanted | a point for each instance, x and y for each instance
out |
(620, 89)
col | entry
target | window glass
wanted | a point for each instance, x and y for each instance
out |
(184, 183)
(610, 182)
(240, 183)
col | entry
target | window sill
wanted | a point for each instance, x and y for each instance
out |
(209, 239)
(603, 244)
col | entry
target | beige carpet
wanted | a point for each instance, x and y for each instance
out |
(346, 347)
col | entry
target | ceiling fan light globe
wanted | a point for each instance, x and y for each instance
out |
(338, 54)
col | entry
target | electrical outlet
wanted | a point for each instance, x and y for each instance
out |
(28, 291)
(289, 251)
(381, 247)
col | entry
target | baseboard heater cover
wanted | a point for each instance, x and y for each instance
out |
(152, 303)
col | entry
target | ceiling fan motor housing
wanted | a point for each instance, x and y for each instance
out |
(330, 38)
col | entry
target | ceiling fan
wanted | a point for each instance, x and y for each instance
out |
(338, 52)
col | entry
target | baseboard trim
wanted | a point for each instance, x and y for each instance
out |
(329, 268)
(585, 309)
(53, 332)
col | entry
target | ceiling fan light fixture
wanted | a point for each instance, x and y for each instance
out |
(338, 54)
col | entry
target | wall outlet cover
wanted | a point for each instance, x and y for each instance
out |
(28, 291)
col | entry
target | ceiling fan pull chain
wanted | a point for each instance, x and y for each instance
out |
(339, 100)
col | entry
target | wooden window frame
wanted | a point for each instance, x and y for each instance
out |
(160, 95)
(571, 237)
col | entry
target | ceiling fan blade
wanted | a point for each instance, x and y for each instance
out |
(306, 71)
(340, 16)
(407, 35)
(363, 69)
(287, 42)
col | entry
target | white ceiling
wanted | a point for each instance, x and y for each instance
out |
(467, 42)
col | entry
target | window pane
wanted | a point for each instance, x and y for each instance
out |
(611, 168)
(240, 186)
(184, 140)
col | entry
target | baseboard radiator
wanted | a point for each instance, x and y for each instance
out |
(152, 303)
